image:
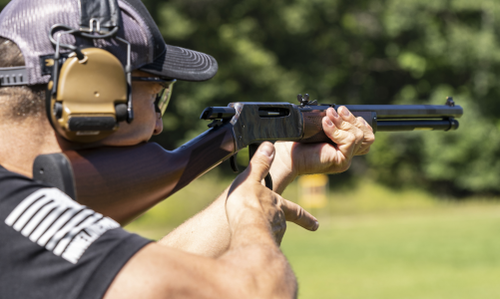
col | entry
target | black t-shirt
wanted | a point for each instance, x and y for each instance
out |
(53, 247)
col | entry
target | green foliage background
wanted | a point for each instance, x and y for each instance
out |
(354, 52)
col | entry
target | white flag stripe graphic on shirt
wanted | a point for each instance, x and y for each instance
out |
(19, 210)
(86, 237)
(47, 222)
(56, 226)
(54, 221)
(73, 222)
(68, 236)
(32, 209)
(30, 227)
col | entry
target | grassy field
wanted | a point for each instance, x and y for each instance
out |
(450, 252)
(375, 243)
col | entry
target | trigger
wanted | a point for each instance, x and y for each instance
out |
(232, 162)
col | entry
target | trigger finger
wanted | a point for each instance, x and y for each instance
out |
(296, 214)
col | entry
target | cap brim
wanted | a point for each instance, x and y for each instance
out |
(183, 64)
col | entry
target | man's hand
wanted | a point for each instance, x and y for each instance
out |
(249, 202)
(352, 136)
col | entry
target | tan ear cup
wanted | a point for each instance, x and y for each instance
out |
(91, 97)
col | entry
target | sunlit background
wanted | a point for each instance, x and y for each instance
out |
(419, 216)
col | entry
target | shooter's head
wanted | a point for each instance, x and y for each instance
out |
(93, 58)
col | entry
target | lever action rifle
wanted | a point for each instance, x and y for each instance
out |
(124, 182)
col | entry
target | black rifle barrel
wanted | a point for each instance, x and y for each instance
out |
(417, 125)
(408, 111)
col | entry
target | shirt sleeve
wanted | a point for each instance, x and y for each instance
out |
(53, 247)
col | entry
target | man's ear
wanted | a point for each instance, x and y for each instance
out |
(158, 124)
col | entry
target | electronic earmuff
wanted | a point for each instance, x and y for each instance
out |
(90, 90)
(91, 96)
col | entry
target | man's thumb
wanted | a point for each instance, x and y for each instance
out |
(261, 161)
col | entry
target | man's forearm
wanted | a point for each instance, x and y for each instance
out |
(207, 233)
(252, 245)
(253, 267)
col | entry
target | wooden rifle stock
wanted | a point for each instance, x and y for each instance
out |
(124, 182)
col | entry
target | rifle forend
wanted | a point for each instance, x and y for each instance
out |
(123, 182)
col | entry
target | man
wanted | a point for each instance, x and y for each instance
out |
(52, 247)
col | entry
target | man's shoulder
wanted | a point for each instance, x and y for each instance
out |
(48, 237)
(14, 187)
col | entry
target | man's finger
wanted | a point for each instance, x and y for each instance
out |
(261, 161)
(368, 136)
(345, 139)
(346, 115)
(296, 214)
